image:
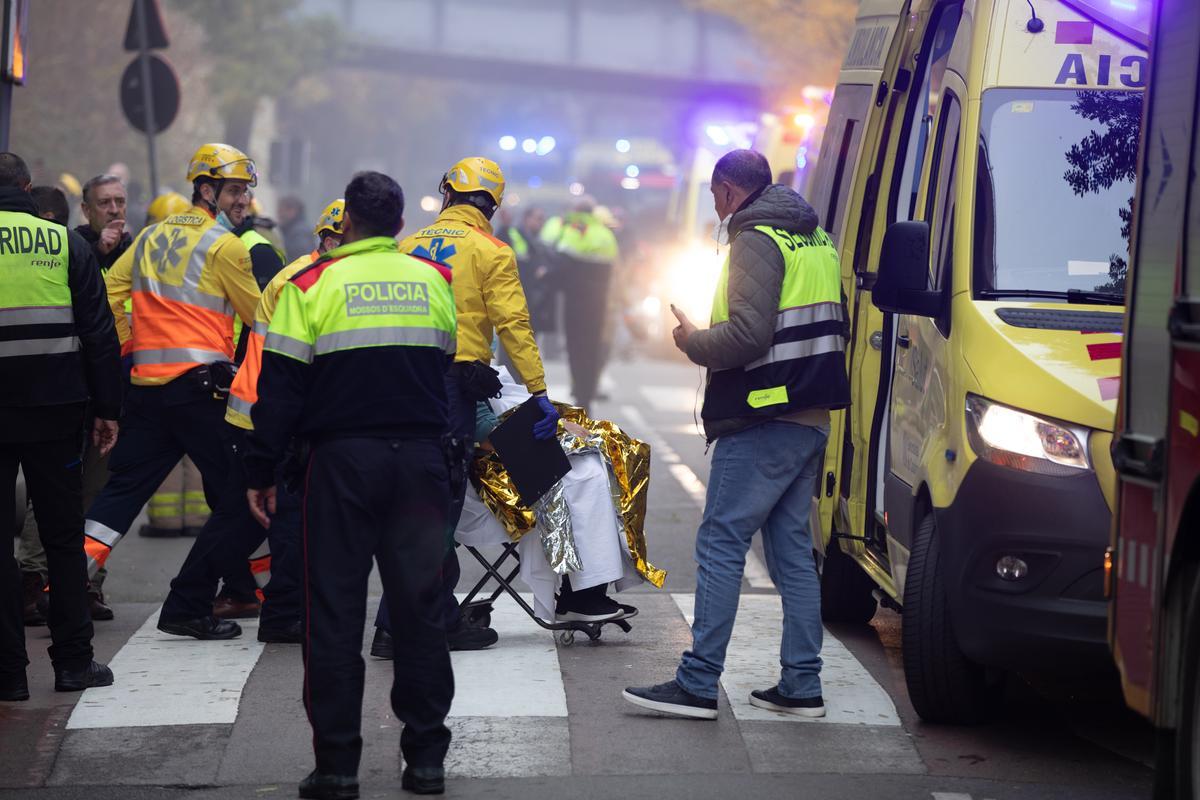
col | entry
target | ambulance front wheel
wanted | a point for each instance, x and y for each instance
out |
(943, 684)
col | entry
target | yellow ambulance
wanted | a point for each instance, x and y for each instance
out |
(977, 173)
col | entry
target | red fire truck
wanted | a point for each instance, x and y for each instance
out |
(1152, 569)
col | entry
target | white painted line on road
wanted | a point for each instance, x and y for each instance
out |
(950, 796)
(671, 398)
(519, 677)
(755, 571)
(851, 695)
(162, 679)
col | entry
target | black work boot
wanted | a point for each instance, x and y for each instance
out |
(76, 680)
(382, 645)
(423, 780)
(319, 786)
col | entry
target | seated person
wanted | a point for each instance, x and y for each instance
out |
(598, 536)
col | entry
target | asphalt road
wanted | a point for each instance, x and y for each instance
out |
(535, 719)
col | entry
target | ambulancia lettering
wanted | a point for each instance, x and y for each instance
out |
(1129, 72)
(386, 297)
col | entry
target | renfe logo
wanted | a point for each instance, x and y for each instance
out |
(1130, 70)
(386, 297)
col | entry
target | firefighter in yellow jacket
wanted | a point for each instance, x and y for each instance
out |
(488, 301)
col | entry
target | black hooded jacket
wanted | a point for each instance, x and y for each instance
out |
(43, 397)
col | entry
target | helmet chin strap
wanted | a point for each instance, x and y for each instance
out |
(217, 185)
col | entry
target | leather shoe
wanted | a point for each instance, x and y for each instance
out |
(283, 634)
(203, 628)
(76, 680)
(31, 591)
(228, 608)
(318, 786)
(467, 637)
(423, 780)
(14, 689)
(382, 645)
(96, 605)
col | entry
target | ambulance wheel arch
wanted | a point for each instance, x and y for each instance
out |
(943, 684)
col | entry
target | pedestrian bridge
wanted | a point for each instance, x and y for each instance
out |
(651, 48)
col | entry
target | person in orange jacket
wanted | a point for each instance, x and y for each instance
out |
(188, 276)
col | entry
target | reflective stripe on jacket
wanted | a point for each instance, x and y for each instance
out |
(358, 346)
(188, 277)
(244, 391)
(488, 296)
(805, 366)
(36, 317)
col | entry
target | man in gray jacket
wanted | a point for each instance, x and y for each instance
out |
(775, 353)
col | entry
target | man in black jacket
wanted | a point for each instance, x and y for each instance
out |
(58, 351)
(103, 207)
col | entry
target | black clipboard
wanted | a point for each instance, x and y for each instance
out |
(534, 465)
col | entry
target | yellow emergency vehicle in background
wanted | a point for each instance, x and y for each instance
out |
(977, 174)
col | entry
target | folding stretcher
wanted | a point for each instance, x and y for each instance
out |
(479, 611)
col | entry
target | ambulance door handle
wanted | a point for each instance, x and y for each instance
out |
(903, 341)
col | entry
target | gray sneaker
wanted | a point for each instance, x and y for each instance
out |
(772, 700)
(671, 698)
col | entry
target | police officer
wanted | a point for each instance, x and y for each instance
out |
(188, 276)
(354, 362)
(58, 349)
(233, 536)
(489, 301)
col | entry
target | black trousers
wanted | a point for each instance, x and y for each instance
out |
(585, 287)
(227, 541)
(54, 476)
(387, 499)
(462, 426)
(160, 426)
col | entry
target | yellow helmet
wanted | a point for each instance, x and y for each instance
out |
(475, 174)
(70, 184)
(331, 218)
(222, 162)
(165, 205)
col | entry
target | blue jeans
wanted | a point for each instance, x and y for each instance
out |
(761, 479)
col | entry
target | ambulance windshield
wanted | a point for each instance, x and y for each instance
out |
(1055, 190)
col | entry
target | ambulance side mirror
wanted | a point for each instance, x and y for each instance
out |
(902, 281)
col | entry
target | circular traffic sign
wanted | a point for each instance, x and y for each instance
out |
(164, 88)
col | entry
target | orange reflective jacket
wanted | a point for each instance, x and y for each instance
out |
(244, 392)
(188, 276)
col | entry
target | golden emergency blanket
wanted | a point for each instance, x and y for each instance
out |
(628, 463)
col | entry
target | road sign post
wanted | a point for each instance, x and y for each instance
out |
(145, 32)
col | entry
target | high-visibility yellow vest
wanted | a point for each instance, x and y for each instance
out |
(805, 366)
(34, 289)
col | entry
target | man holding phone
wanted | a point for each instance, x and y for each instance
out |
(103, 207)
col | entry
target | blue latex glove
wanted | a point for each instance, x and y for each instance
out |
(547, 428)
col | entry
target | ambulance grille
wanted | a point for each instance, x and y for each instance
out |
(1054, 320)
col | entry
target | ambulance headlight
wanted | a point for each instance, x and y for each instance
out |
(1012, 438)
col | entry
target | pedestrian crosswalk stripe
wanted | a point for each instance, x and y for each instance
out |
(162, 679)
(519, 677)
(670, 398)
(851, 695)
